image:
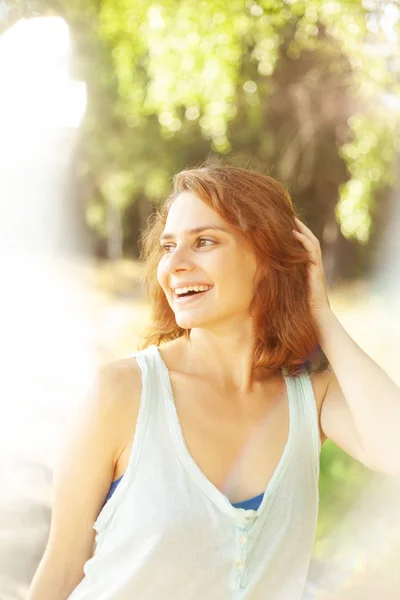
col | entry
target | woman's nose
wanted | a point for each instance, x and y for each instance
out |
(179, 258)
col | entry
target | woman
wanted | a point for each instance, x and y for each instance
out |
(211, 432)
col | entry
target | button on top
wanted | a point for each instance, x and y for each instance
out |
(243, 539)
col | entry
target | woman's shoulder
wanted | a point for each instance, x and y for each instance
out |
(121, 386)
(119, 374)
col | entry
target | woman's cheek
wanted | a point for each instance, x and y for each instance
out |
(161, 276)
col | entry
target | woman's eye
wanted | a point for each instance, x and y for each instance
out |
(205, 240)
(167, 247)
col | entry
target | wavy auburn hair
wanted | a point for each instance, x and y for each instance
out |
(260, 210)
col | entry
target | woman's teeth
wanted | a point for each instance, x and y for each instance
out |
(195, 288)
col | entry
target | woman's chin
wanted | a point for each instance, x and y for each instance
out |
(188, 322)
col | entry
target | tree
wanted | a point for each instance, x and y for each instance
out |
(292, 88)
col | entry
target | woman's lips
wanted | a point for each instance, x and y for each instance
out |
(193, 297)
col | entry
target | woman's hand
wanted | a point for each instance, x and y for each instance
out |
(318, 294)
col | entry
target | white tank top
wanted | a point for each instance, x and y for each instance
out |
(167, 533)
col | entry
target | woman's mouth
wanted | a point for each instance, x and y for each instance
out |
(190, 296)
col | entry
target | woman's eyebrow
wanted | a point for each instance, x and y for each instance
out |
(169, 236)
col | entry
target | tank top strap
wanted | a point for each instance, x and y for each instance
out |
(307, 413)
(144, 359)
(148, 364)
(153, 390)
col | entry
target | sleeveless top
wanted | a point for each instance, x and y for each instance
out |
(167, 532)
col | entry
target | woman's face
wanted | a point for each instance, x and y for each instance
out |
(213, 257)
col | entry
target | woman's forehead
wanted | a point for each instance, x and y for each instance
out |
(189, 211)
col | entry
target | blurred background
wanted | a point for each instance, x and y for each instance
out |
(101, 103)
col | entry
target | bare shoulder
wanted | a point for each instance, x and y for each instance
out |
(120, 389)
(119, 375)
(319, 382)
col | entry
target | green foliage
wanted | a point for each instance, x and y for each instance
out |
(168, 75)
(370, 160)
(341, 481)
(184, 61)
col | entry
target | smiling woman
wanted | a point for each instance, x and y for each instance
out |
(197, 459)
(257, 212)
